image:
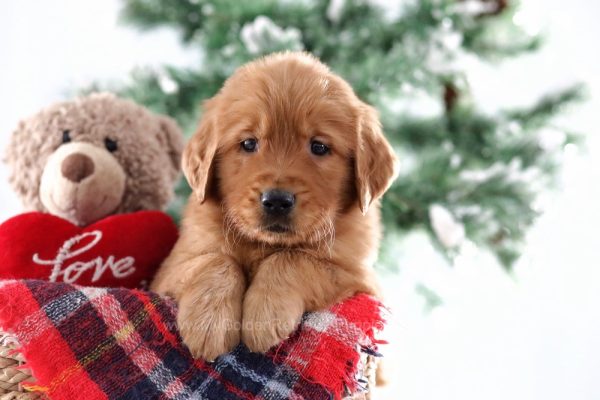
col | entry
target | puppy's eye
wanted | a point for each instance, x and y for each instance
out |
(111, 145)
(319, 148)
(249, 145)
(66, 136)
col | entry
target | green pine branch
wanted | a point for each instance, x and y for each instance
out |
(486, 170)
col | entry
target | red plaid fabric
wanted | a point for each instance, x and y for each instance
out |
(93, 343)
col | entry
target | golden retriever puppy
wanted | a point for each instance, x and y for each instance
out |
(285, 166)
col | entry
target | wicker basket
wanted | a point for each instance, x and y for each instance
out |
(12, 375)
(11, 372)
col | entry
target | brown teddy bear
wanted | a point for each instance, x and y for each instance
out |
(91, 169)
(94, 156)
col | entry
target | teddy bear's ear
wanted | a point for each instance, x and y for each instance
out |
(24, 162)
(171, 137)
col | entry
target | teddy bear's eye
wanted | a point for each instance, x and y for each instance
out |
(111, 145)
(66, 136)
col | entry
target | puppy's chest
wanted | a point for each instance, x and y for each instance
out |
(250, 257)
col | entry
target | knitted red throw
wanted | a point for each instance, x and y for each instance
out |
(93, 343)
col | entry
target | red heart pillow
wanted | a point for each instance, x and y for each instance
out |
(121, 250)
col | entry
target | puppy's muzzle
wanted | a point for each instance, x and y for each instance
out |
(277, 203)
(277, 206)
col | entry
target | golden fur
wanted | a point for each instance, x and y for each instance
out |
(233, 279)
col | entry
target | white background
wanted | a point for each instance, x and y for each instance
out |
(532, 335)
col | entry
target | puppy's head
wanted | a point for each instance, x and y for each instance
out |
(287, 147)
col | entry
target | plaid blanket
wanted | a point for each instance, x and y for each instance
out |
(93, 343)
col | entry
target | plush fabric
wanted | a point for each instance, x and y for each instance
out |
(121, 250)
(92, 343)
(82, 183)
(148, 151)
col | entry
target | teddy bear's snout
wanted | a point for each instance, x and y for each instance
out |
(76, 167)
(82, 182)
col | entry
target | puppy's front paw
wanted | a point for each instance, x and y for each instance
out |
(209, 328)
(269, 318)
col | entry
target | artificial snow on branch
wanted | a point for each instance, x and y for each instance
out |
(467, 175)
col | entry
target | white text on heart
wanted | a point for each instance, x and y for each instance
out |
(70, 273)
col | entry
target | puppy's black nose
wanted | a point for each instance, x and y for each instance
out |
(277, 202)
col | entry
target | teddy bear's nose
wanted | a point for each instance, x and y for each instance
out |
(76, 167)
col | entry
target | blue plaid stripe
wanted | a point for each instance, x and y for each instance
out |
(240, 374)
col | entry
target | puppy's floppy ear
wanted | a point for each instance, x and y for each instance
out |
(199, 154)
(376, 164)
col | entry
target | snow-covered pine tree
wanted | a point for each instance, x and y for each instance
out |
(466, 175)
